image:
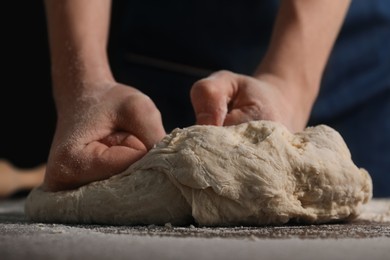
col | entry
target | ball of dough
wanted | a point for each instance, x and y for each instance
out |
(255, 173)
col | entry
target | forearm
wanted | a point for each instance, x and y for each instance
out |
(78, 34)
(303, 36)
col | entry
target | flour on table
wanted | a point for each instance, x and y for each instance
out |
(255, 173)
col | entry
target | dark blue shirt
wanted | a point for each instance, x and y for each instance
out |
(167, 45)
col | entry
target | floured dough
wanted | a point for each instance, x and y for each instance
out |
(255, 173)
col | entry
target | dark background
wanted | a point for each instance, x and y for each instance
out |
(27, 113)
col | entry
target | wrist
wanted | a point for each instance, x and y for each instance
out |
(76, 85)
(77, 66)
(297, 98)
(74, 77)
(301, 80)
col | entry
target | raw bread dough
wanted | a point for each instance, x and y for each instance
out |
(255, 173)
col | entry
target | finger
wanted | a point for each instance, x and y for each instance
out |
(237, 116)
(123, 138)
(141, 117)
(111, 160)
(94, 162)
(248, 113)
(210, 98)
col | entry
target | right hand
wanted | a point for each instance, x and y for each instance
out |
(100, 134)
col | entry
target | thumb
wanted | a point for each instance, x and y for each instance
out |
(210, 98)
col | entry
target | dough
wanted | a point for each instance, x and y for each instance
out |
(255, 173)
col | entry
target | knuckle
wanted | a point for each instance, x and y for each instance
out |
(222, 74)
(205, 87)
(141, 103)
(212, 85)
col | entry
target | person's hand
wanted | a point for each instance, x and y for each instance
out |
(100, 134)
(226, 98)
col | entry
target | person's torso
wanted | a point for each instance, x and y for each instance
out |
(234, 35)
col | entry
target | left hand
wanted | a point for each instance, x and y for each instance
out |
(227, 98)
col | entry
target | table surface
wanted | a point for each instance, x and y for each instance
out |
(367, 237)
